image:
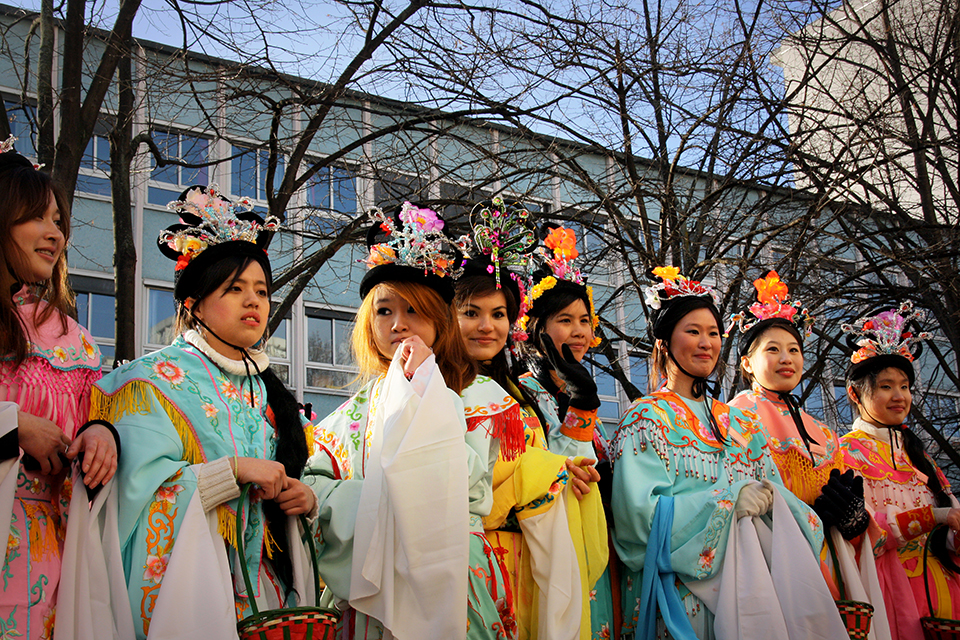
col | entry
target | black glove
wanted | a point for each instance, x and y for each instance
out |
(580, 385)
(840, 504)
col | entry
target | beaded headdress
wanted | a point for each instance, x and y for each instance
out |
(211, 228)
(502, 233)
(675, 296)
(7, 145)
(411, 246)
(502, 243)
(884, 338)
(773, 307)
(559, 270)
(673, 285)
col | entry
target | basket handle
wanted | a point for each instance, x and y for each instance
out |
(242, 556)
(836, 565)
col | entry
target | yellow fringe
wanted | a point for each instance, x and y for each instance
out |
(134, 398)
(227, 528)
(227, 525)
(42, 531)
(269, 542)
(308, 434)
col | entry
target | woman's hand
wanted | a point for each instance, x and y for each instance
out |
(581, 476)
(42, 439)
(99, 454)
(296, 498)
(269, 476)
(413, 351)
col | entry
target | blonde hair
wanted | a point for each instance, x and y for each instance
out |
(455, 364)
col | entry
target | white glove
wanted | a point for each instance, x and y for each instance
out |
(755, 499)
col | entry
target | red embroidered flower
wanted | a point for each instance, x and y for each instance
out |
(168, 371)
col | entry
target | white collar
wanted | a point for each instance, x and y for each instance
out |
(877, 433)
(236, 367)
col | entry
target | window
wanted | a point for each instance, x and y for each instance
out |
(161, 318)
(184, 147)
(334, 191)
(393, 188)
(96, 311)
(333, 188)
(640, 372)
(843, 409)
(278, 350)
(21, 118)
(94, 175)
(460, 200)
(594, 254)
(329, 359)
(814, 402)
(162, 330)
(248, 171)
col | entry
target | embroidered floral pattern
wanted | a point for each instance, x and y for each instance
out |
(209, 410)
(720, 518)
(155, 568)
(168, 371)
(229, 389)
(706, 558)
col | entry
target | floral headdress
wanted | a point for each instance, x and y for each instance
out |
(673, 285)
(559, 251)
(211, 227)
(7, 145)
(885, 334)
(415, 247)
(773, 305)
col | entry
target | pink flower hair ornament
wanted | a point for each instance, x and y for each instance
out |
(886, 334)
(412, 245)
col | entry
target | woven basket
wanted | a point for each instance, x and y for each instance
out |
(935, 628)
(299, 623)
(856, 615)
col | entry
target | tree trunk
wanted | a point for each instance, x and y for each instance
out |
(45, 105)
(125, 252)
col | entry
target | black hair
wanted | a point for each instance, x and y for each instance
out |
(549, 304)
(292, 453)
(750, 338)
(291, 446)
(664, 321)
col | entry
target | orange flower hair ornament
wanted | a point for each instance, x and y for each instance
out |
(559, 251)
(562, 243)
(773, 301)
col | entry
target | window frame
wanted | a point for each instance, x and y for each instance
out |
(333, 315)
(89, 286)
